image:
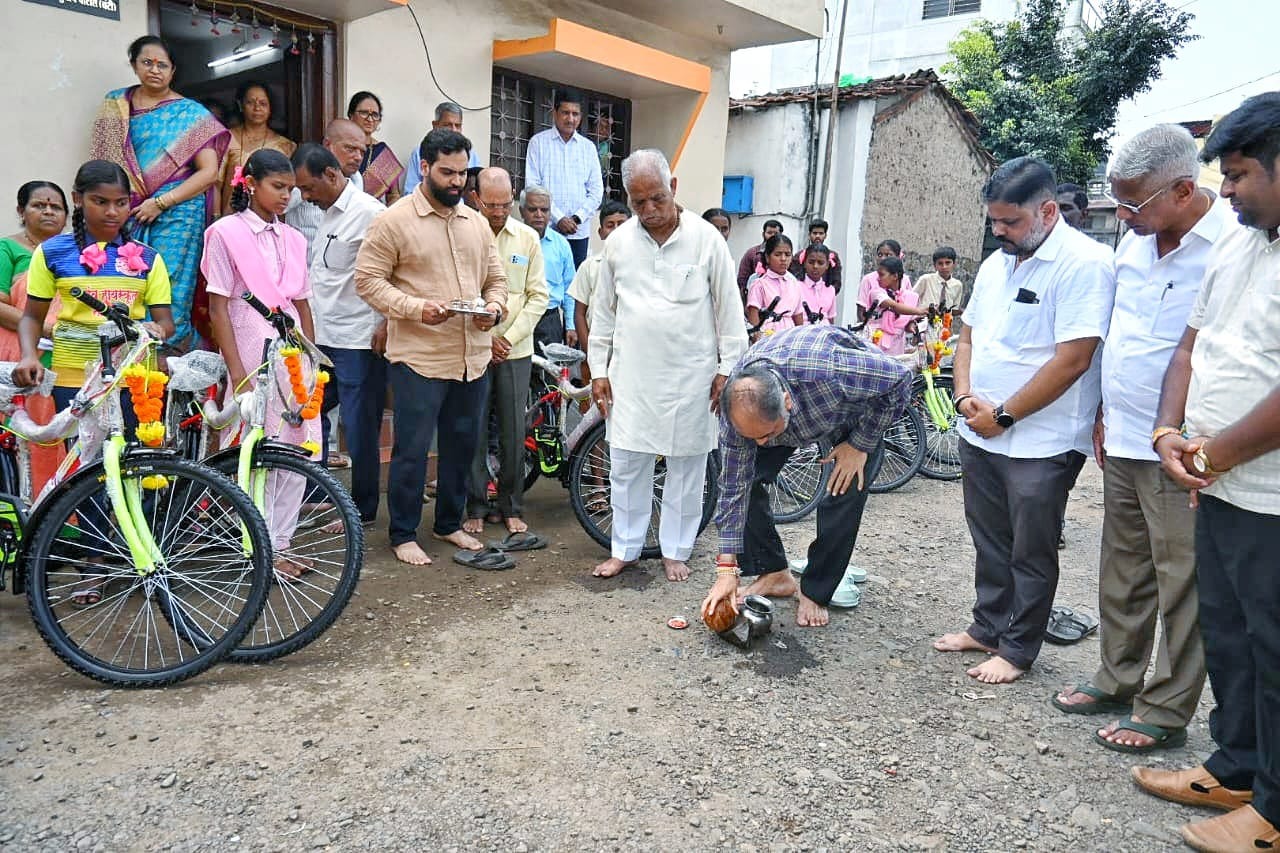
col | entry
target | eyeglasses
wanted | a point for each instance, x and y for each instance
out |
(154, 64)
(371, 115)
(501, 205)
(1137, 208)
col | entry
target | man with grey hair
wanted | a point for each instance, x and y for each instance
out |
(557, 325)
(1148, 566)
(666, 328)
(449, 116)
(1027, 386)
(813, 383)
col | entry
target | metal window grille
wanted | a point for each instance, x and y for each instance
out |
(522, 106)
(945, 8)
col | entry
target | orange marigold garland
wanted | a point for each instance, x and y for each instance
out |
(309, 401)
(146, 391)
(312, 408)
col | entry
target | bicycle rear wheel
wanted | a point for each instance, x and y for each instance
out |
(942, 434)
(800, 485)
(149, 630)
(326, 536)
(589, 492)
(904, 449)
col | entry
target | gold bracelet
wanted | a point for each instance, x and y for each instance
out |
(728, 570)
(159, 200)
(1160, 432)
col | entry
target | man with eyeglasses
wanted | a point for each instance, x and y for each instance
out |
(512, 361)
(350, 332)
(557, 325)
(346, 141)
(448, 115)
(1147, 565)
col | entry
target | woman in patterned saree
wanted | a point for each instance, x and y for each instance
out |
(171, 147)
(254, 108)
(382, 172)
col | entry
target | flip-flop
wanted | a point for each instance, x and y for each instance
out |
(1103, 703)
(522, 541)
(489, 560)
(855, 573)
(87, 596)
(1162, 738)
(1066, 626)
(338, 461)
(847, 595)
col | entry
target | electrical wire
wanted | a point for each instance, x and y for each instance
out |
(432, 70)
(1214, 95)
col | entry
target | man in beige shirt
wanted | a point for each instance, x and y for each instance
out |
(424, 252)
(510, 364)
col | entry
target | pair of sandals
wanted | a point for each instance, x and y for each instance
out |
(494, 557)
(1104, 703)
(1068, 626)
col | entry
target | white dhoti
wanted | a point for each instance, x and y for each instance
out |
(631, 496)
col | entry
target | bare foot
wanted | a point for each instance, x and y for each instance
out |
(289, 569)
(676, 570)
(774, 585)
(515, 524)
(474, 525)
(1126, 737)
(961, 641)
(810, 614)
(411, 553)
(461, 539)
(996, 670)
(1073, 697)
(611, 567)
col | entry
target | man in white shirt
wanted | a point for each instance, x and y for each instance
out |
(350, 332)
(346, 141)
(1218, 433)
(666, 330)
(1027, 384)
(1148, 565)
(567, 163)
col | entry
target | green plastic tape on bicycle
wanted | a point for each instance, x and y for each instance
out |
(133, 496)
(111, 453)
(254, 487)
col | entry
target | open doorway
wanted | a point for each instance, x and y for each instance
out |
(219, 45)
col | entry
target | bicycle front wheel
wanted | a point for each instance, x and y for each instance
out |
(904, 449)
(800, 485)
(127, 628)
(322, 535)
(589, 492)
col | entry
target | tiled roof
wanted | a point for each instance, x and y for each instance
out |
(911, 85)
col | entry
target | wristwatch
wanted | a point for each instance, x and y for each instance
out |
(1003, 419)
(1200, 462)
(576, 219)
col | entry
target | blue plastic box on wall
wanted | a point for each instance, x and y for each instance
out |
(738, 190)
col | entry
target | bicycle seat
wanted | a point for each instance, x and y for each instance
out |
(8, 390)
(562, 355)
(196, 371)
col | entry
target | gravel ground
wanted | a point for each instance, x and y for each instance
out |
(541, 709)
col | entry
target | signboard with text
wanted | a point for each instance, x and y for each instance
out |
(102, 8)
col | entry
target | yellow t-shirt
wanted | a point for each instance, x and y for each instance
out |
(56, 268)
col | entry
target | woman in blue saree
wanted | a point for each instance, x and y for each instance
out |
(171, 148)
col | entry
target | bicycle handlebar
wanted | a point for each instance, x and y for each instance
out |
(282, 321)
(765, 316)
(117, 312)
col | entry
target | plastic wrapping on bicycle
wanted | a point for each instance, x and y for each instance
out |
(562, 355)
(9, 390)
(196, 371)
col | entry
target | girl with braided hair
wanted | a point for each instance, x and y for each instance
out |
(101, 258)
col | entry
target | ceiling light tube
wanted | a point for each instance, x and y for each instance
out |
(236, 57)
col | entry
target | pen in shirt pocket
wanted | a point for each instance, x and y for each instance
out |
(1166, 290)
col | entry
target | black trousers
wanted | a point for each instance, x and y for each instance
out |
(422, 406)
(1014, 508)
(509, 391)
(550, 330)
(839, 517)
(1238, 576)
(580, 248)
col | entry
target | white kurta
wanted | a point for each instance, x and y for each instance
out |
(664, 321)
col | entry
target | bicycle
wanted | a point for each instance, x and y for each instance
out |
(905, 442)
(574, 451)
(324, 534)
(124, 533)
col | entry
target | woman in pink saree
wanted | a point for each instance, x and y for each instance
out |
(383, 173)
(171, 148)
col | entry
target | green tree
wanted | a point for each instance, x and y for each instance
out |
(1041, 88)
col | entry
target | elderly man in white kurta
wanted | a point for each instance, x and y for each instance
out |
(666, 330)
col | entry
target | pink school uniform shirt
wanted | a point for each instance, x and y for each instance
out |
(820, 297)
(892, 326)
(786, 288)
(871, 283)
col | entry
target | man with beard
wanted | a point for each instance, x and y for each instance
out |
(1027, 386)
(424, 252)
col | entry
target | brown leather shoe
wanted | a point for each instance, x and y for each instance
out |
(1241, 831)
(1194, 787)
